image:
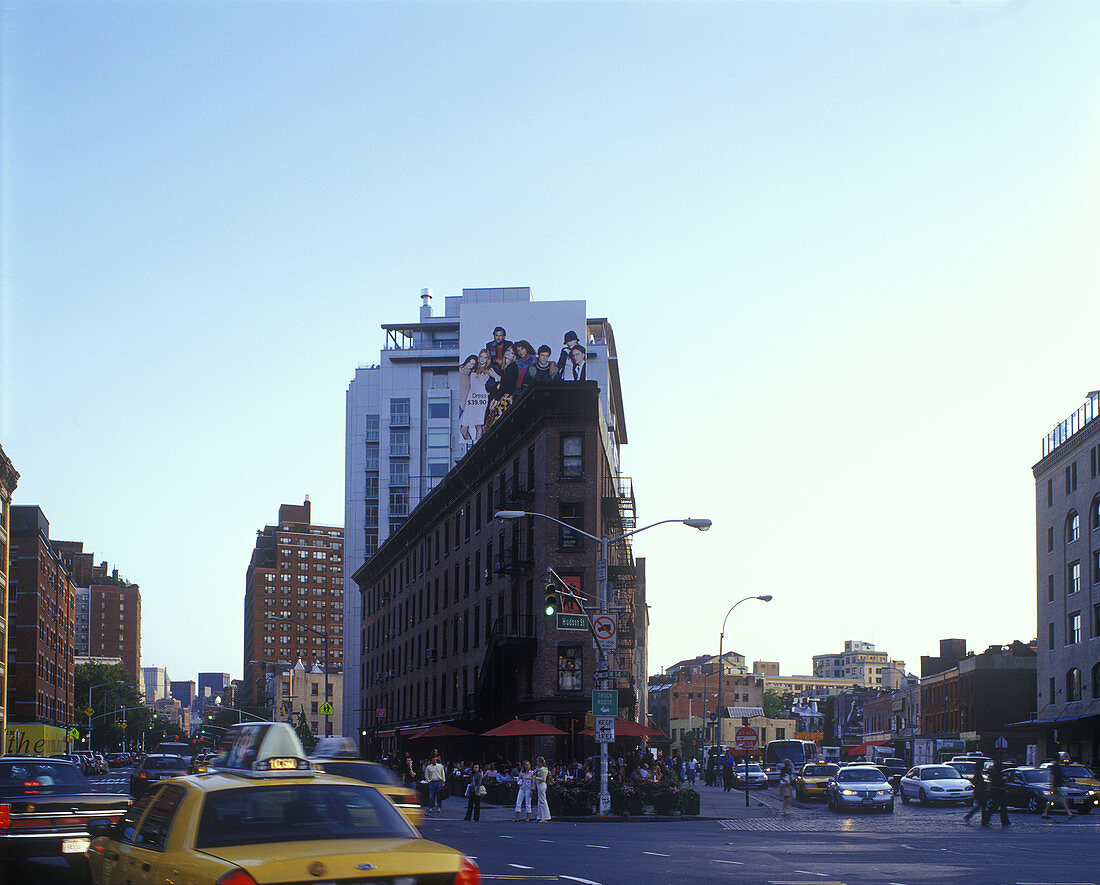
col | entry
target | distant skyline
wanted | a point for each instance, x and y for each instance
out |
(848, 250)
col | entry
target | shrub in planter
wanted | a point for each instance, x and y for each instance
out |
(689, 801)
(571, 799)
(500, 793)
(628, 799)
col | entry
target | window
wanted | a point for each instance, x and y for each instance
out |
(1050, 492)
(569, 668)
(399, 412)
(1094, 517)
(1096, 567)
(370, 461)
(1073, 634)
(1050, 688)
(437, 469)
(573, 516)
(1050, 635)
(439, 437)
(1050, 588)
(399, 473)
(1050, 539)
(371, 432)
(1073, 684)
(1073, 528)
(154, 828)
(572, 456)
(439, 407)
(1074, 578)
(399, 442)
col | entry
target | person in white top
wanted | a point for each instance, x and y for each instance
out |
(526, 787)
(436, 775)
(542, 781)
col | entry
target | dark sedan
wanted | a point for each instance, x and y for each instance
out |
(46, 806)
(156, 767)
(1030, 788)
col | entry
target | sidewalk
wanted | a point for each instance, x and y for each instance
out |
(714, 804)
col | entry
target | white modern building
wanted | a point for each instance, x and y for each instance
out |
(414, 414)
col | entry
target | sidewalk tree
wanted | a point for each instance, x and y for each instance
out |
(773, 704)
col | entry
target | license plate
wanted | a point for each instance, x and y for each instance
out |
(868, 800)
(75, 846)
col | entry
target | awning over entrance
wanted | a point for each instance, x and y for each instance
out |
(860, 749)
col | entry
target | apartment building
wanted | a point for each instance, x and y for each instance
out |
(9, 479)
(861, 662)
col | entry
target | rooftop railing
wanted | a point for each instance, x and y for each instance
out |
(1073, 424)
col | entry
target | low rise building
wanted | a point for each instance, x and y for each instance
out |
(861, 662)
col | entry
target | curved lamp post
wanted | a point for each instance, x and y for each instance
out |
(605, 596)
(722, 663)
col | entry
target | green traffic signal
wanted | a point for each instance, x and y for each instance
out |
(550, 600)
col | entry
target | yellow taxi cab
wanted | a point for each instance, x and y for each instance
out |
(1081, 775)
(340, 756)
(262, 813)
(812, 778)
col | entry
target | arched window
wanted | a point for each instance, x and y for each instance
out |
(1073, 684)
(1073, 527)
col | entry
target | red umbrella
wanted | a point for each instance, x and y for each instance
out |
(523, 728)
(631, 729)
(442, 730)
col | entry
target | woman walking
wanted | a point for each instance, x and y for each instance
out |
(473, 803)
(526, 787)
(542, 781)
(786, 785)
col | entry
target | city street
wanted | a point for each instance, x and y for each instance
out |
(732, 843)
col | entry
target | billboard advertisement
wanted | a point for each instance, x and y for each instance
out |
(507, 347)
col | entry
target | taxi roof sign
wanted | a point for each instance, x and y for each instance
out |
(257, 749)
(336, 746)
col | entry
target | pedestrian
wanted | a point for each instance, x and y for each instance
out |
(473, 793)
(981, 793)
(727, 771)
(1058, 788)
(996, 796)
(542, 782)
(690, 766)
(786, 784)
(436, 776)
(408, 773)
(526, 781)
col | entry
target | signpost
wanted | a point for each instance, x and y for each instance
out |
(745, 739)
(605, 729)
(1001, 743)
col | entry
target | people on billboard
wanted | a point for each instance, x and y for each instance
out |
(564, 358)
(501, 385)
(497, 346)
(476, 401)
(543, 369)
(575, 371)
(464, 371)
(525, 358)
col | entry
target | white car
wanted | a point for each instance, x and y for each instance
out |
(935, 783)
(757, 777)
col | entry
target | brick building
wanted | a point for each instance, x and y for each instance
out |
(9, 478)
(42, 613)
(296, 572)
(690, 700)
(453, 627)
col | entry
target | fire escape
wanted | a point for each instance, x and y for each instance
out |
(620, 516)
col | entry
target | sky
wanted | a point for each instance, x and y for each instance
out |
(848, 250)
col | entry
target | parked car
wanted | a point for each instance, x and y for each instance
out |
(155, 767)
(813, 778)
(860, 786)
(896, 768)
(101, 766)
(1028, 787)
(46, 806)
(935, 783)
(965, 767)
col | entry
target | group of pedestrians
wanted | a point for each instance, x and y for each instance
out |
(532, 788)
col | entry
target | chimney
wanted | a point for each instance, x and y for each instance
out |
(425, 304)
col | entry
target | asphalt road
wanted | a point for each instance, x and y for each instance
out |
(814, 846)
(910, 847)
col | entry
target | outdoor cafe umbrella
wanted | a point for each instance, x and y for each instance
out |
(523, 728)
(631, 729)
(441, 730)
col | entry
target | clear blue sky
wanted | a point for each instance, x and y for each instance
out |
(849, 251)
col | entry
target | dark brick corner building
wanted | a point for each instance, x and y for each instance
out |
(453, 621)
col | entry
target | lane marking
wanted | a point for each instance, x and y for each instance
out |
(739, 863)
(812, 873)
(520, 866)
(656, 854)
(605, 847)
(575, 879)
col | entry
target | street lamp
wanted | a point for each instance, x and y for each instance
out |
(89, 715)
(721, 661)
(605, 596)
(324, 635)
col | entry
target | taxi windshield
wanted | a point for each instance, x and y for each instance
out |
(302, 812)
(1077, 771)
(819, 770)
(368, 772)
(164, 762)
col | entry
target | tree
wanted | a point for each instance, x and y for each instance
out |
(773, 704)
(305, 733)
(691, 743)
(121, 693)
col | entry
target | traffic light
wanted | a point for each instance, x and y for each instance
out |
(550, 600)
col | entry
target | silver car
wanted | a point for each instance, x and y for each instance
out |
(858, 787)
(936, 783)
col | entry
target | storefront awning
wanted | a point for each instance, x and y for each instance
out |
(860, 749)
